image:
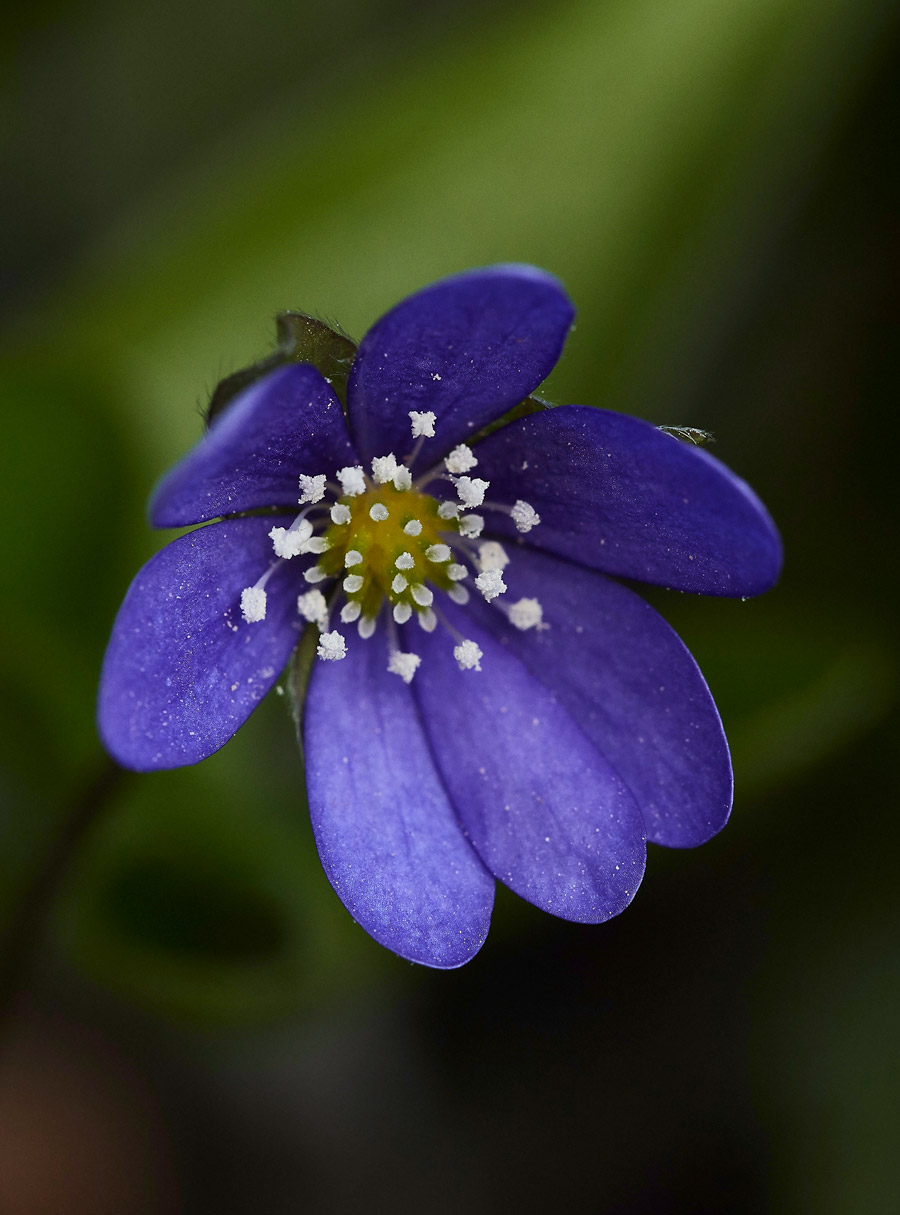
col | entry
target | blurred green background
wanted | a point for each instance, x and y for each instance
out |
(203, 1028)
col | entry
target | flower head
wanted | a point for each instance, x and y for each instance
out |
(488, 701)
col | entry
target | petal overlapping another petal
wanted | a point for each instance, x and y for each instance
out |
(183, 670)
(467, 348)
(385, 829)
(287, 423)
(544, 810)
(617, 494)
(629, 681)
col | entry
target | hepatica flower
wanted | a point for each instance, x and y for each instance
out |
(488, 702)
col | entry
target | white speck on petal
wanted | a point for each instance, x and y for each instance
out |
(353, 480)
(384, 468)
(404, 665)
(491, 584)
(423, 423)
(492, 556)
(525, 516)
(312, 489)
(468, 655)
(332, 646)
(378, 512)
(461, 459)
(312, 606)
(526, 614)
(253, 604)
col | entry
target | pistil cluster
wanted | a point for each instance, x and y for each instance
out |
(383, 545)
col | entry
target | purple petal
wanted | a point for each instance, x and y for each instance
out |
(386, 832)
(467, 348)
(547, 814)
(183, 671)
(287, 423)
(626, 677)
(617, 494)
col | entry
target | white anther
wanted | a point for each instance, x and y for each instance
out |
(317, 544)
(422, 424)
(340, 513)
(253, 604)
(312, 489)
(353, 583)
(384, 468)
(402, 478)
(438, 553)
(457, 572)
(526, 614)
(524, 516)
(448, 510)
(427, 620)
(405, 561)
(468, 655)
(352, 557)
(458, 594)
(332, 646)
(289, 541)
(312, 606)
(404, 665)
(471, 526)
(378, 512)
(399, 585)
(492, 556)
(422, 595)
(350, 611)
(491, 584)
(366, 627)
(471, 490)
(461, 459)
(315, 573)
(413, 528)
(402, 612)
(353, 480)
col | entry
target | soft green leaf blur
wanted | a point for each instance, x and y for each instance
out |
(711, 182)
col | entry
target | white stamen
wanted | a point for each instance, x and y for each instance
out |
(491, 584)
(422, 595)
(366, 627)
(471, 490)
(461, 459)
(413, 528)
(312, 488)
(468, 655)
(332, 646)
(404, 665)
(317, 544)
(312, 606)
(289, 541)
(353, 480)
(402, 478)
(353, 583)
(457, 572)
(492, 556)
(350, 611)
(399, 585)
(352, 557)
(422, 424)
(448, 510)
(384, 468)
(458, 594)
(315, 573)
(378, 512)
(405, 561)
(526, 614)
(340, 513)
(402, 612)
(427, 620)
(438, 553)
(524, 516)
(253, 604)
(471, 526)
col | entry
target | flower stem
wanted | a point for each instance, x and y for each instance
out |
(28, 921)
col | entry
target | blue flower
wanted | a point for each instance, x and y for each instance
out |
(490, 703)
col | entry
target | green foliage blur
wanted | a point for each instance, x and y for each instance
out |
(712, 183)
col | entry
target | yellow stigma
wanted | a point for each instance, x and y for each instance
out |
(376, 530)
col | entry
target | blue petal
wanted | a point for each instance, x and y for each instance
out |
(626, 677)
(547, 814)
(467, 348)
(287, 423)
(183, 671)
(617, 494)
(386, 832)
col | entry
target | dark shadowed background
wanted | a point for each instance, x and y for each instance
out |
(195, 1024)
